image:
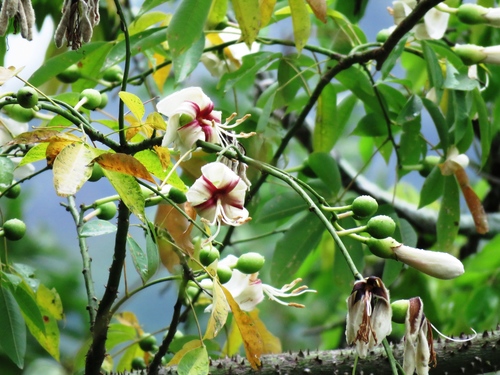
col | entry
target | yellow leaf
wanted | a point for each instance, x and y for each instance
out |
(160, 75)
(50, 305)
(129, 191)
(248, 16)
(178, 228)
(72, 168)
(301, 23)
(319, 9)
(124, 163)
(252, 341)
(133, 103)
(53, 149)
(155, 121)
(190, 345)
(163, 155)
(233, 342)
(272, 344)
(43, 135)
(220, 310)
(266, 10)
(129, 319)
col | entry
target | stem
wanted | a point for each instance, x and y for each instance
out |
(126, 69)
(86, 261)
(390, 356)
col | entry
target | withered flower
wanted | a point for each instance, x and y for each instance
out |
(78, 20)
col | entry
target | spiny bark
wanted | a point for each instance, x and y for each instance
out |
(478, 356)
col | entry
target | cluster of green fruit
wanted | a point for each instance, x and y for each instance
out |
(247, 263)
(148, 344)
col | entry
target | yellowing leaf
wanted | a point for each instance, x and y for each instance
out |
(194, 362)
(319, 9)
(50, 300)
(187, 347)
(72, 168)
(252, 341)
(155, 121)
(133, 103)
(178, 228)
(129, 319)
(124, 163)
(160, 75)
(301, 23)
(248, 16)
(272, 344)
(164, 156)
(53, 149)
(233, 342)
(50, 306)
(266, 11)
(43, 135)
(219, 312)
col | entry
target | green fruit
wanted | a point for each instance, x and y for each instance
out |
(208, 255)
(381, 226)
(107, 211)
(14, 229)
(250, 263)
(399, 310)
(13, 192)
(428, 164)
(177, 195)
(104, 100)
(27, 97)
(70, 74)
(148, 342)
(18, 113)
(93, 98)
(113, 74)
(382, 247)
(138, 363)
(224, 273)
(97, 173)
(364, 206)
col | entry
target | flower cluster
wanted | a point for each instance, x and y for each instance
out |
(23, 14)
(77, 22)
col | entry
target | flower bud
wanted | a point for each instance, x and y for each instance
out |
(381, 226)
(364, 206)
(399, 309)
(471, 14)
(470, 53)
(382, 247)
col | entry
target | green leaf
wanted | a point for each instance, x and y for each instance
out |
(326, 168)
(150, 4)
(152, 163)
(485, 127)
(6, 173)
(217, 13)
(12, 327)
(35, 153)
(267, 100)
(289, 78)
(291, 250)
(449, 215)
(248, 16)
(185, 30)
(439, 122)
(393, 57)
(134, 103)
(411, 145)
(281, 206)
(129, 191)
(434, 70)
(89, 65)
(139, 259)
(462, 125)
(194, 362)
(26, 299)
(356, 81)
(371, 125)
(119, 333)
(72, 168)
(301, 22)
(185, 63)
(94, 228)
(152, 251)
(327, 124)
(57, 64)
(250, 65)
(432, 188)
(459, 79)
(410, 111)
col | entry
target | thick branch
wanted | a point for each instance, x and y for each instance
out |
(474, 357)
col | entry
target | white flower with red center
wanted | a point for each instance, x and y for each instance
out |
(191, 117)
(368, 314)
(248, 290)
(218, 196)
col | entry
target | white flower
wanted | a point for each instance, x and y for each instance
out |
(248, 290)
(418, 340)
(472, 54)
(219, 195)
(190, 118)
(368, 314)
(229, 59)
(433, 263)
(453, 162)
(433, 26)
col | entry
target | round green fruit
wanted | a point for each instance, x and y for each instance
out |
(113, 74)
(138, 363)
(224, 274)
(18, 113)
(107, 211)
(27, 97)
(97, 173)
(13, 192)
(147, 342)
(70, 74)
(208, 255)
(381, 226)
(250, 263)
(93, 98)
(364, 206)
(177, 195)
(14, 229)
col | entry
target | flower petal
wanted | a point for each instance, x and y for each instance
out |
(171, 103)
